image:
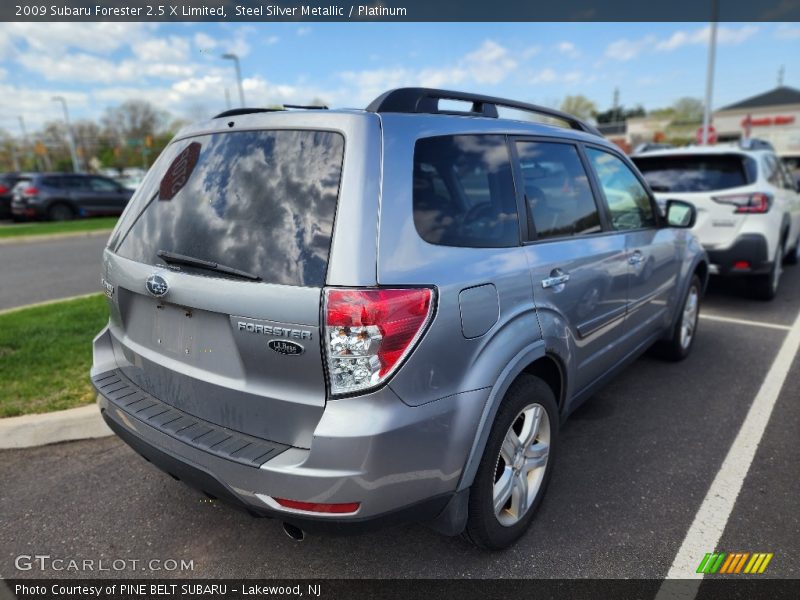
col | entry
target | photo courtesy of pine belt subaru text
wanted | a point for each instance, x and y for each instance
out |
(346, 319)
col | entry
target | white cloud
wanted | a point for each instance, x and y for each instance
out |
(303, 30)
(787, 32)
(272, 40)
(204, 41)
(725, 35)
(568, 49)
(545, 76)
(55, 38)
(490, 63)
(530, 52)
(157, 49)
(625, 49)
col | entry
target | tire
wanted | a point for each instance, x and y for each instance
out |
(765, 287)
(681, 339)
(528, 404)
(60, 212)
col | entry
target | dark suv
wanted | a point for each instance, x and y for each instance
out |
(61, 197)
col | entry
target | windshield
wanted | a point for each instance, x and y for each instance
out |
(696, 173)
(262, 202)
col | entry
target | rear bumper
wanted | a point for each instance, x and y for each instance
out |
(400, 463)
(750, 248)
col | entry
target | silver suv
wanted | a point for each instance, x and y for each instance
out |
(356, 317)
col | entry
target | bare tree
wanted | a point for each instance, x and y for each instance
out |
(133, 121)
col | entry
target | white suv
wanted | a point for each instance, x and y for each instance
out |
(748, 207)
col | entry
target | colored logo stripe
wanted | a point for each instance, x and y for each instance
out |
(723, 562)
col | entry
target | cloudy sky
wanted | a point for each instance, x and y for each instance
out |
(177, 66)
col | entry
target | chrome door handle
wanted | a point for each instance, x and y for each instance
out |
(636, 258)
(555, 281)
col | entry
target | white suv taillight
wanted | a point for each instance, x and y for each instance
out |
(756, 202)
(368, 333)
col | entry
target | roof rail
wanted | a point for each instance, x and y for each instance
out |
(235, 112)
(426, 100)
(307, 106)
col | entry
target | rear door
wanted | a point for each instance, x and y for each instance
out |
(653, 257)
(108, 197)
(241, 351)
(579, 268)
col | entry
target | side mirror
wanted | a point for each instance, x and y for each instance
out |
(681, 214)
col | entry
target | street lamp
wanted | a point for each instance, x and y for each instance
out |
(235, 59)
(70, 140)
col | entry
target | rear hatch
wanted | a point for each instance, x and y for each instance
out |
(218, 266)
(699, 178)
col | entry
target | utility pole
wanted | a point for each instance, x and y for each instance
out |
(712, 48)
(615, 105)
(70, 140)
(28, 149)
(227, 99)
(781, 72)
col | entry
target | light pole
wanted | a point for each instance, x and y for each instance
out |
(712, 47)
(70, 140)
(235, 59)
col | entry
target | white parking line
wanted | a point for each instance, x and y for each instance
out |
(722, 319)
(713, 514)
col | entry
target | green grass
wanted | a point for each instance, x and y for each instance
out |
(45, 355)
(46, 228)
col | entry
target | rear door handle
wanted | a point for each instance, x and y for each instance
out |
(555, 280)
(636, 258)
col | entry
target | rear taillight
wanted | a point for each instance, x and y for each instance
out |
(29, 192)
(368, 333)
(3, 189)
(757, 202)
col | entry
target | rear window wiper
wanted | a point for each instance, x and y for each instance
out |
(182, 259)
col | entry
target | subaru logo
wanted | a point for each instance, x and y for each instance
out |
(157, 285)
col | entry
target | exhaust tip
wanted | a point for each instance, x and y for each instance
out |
(294, 532)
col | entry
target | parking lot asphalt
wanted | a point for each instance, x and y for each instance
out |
(47, 270)
(635, 464)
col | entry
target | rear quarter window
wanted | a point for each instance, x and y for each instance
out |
(463, 192)
(696, 173)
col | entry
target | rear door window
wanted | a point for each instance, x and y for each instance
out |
(557, 191)
(627, 199)
(696, 173)
(258, 201)
(463, 191)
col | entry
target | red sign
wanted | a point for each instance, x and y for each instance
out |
(712, 135)
(766, 121)
(179, 172)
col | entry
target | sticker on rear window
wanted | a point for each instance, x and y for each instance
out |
(179, 172)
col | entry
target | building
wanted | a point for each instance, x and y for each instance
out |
(773, 116)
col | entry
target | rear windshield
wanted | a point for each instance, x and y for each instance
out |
(696, 173)
(258, 201)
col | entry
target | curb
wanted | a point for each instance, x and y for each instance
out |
(5, 311)
(60, 426)
(49, 237)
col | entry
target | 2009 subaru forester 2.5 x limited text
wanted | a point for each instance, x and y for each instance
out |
(358, 317)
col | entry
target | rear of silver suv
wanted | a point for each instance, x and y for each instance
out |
(338, 318)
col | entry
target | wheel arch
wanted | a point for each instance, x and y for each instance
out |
(536, 360)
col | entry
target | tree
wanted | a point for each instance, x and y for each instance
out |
(688, 110)
(133, 120)
(579, 106)
(619, 114)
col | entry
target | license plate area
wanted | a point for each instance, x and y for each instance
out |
(174, 329)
